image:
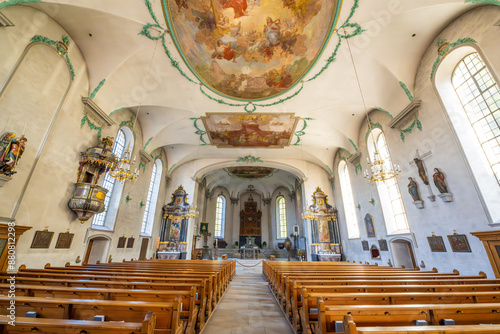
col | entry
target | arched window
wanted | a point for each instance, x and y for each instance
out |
(480, 97)
(152, 199)
(388, 191)
(471, 97)
(106, 219)
(220, 216)
(281, 217)
(348, 200)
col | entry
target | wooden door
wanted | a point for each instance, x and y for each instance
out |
(87, 254)
(144, 248)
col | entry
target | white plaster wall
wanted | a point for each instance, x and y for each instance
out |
(45, 201)
(465, 214)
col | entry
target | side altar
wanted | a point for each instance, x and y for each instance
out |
(325, 232)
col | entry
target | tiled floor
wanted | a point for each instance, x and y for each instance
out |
(248, 306)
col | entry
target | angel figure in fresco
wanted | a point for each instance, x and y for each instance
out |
(205, 19)
(10, 151)
(239, 6)
(413, 190)
(181, 4)
(272, 31)
(439, 181)
(223, 51)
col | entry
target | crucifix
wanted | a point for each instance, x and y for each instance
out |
(422, 172)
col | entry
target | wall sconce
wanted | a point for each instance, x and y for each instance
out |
(141, 204)
(128, 198)
(372, 201)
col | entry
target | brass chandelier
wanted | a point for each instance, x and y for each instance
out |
(379, 170)
(122, 172)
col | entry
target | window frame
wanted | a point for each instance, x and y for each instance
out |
(220, 217)
(390, 199)
(351, 217)
(281, 213)
(113, 204)
(152, 199)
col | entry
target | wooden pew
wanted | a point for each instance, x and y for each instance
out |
(293, 286)
(212, 287)
(295, 302)
(204, 288)
(167, 314)
(405, 315)
(388, 298)
(351, 328)
(60, 326)
(189, 310)
(202, 301)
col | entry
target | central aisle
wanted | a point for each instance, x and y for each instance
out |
(248, 306)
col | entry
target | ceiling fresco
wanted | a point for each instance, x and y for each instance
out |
(251, 49)
(250, 130)
(249, 172)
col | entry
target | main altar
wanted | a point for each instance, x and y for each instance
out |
(250, 223)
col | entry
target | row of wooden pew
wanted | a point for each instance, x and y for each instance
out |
(152, 296)
(335, 297)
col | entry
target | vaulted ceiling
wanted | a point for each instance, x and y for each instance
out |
(138, 72)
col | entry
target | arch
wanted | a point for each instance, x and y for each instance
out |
(152, 198)
(389, 193)
(351, 218)
(402, 252)
(47, 113)
(97, 249)
(476, 160)
(121, 148)
(220, 216)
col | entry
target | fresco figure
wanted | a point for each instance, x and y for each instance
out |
(413, 190)
(239, 6)
(439, 181)
(223, 51)
(13, 149)
(272, 31)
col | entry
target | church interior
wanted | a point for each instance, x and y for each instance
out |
(250, 137)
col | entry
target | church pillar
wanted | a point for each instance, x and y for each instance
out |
(236, 221)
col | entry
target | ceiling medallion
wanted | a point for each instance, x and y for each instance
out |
(251, 50)
(250, 172)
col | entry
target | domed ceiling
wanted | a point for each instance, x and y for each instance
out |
(251, 49)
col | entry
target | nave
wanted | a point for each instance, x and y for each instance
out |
(188, 297)
(248, 307)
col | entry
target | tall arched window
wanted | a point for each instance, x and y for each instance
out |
(470, 94)
(106, 219)
(388, 191)
(220, 216)
(480, 97)
(281, 217)
(348, 200)
(152, 199)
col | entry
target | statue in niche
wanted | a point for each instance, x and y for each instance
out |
(439, 181)
(11, 150)
(413, 189)
(421, 170)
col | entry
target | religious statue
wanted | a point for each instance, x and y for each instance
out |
(413, 190)
(439, 181)
(11, 150)
(421, 170)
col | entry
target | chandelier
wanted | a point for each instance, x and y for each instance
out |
(122, 172)
(380, 170)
